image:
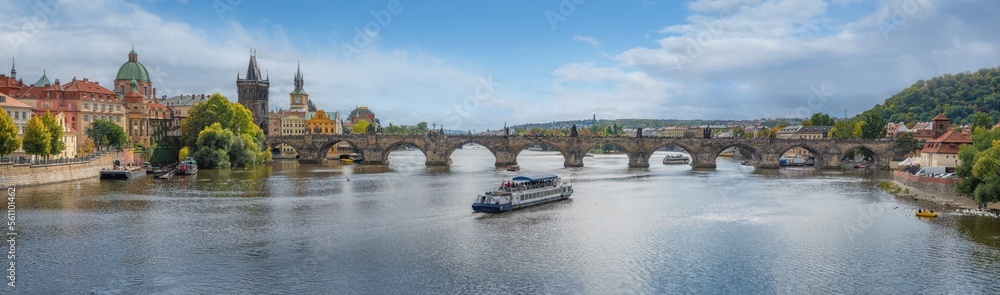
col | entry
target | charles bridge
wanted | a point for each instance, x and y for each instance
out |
(375, 148)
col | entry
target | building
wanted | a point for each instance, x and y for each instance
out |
(943, 149)
(802, 132)
(10, 84)
(81, 102)
(892, 129)
(148, 120)
(20, 112)
(181, 106)
(68, 138)
(298, 100)
(252, 92)
(292, 123)
(323, 124)
(361, 113)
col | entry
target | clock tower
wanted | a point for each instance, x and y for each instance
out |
(298, 100)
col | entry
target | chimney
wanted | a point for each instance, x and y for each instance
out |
(86, 80)
(154, 92)
(202, 96)
(57, 81)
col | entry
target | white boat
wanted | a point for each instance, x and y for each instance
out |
(676, 159)
(521, 192)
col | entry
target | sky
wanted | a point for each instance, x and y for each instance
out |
(476, 65)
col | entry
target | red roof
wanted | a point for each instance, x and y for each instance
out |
(940, 117)
(134, 97)
(948, 143)
(11, 102)
(8, 85)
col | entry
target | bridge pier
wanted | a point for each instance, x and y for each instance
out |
(574, 158)
(638, 160)
(374, 156)
(437, 158)
(310, 155)
(769, 161)
(831, 160)
(505, 157)
(703, 160)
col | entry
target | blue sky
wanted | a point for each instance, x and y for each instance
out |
(479, 64)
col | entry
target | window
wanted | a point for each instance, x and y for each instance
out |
(119, 108)
(86, 106)
(16, 117)
(86, 118)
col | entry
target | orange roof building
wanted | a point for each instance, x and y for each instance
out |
(943, 150)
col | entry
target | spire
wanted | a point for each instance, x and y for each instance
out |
(132, 56)
(253, 70)
(13, 72)
(299, 81)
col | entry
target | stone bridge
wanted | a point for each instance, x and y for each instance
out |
(437, 148)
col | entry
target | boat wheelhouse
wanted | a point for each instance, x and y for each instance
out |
(676, 159)
(523, 191)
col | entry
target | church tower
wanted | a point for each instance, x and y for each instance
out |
(252, 91)
(298, 100)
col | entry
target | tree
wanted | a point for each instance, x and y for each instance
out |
(360, 128)
(874, 127)
(231, 117)
(844, 129)
(819, 119)
(36, 137)
(105, 133)
(86, 147)
(982, 152)
(422, 128)
(906, 143)
(981, 119)
(9, 141)
(183, 154)
(56, 144)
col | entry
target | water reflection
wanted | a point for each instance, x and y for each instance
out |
(407, 228)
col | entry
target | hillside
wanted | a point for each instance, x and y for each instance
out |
(958, 96)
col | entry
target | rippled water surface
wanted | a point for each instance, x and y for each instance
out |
(406, 229)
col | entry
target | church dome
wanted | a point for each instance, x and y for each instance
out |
(132, 69)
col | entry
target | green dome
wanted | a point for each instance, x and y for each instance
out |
(132, 69)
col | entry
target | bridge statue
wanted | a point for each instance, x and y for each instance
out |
(437, 148)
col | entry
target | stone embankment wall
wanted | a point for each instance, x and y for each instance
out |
(940, 190)
(24, 174)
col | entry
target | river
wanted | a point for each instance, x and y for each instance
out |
(407, 228)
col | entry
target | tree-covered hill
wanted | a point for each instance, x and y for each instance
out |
(958, 96)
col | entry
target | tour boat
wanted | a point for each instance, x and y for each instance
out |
(926, 213)
(676, 159)
(513, 168)
(187, 167)
(522, 192)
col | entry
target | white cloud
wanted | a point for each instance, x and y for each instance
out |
(589, 40)
(745, 59)
(92, 39)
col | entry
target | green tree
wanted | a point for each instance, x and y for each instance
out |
(232, 117)
(56, 144)
(183, 154)
(36, 137)
(970, 181)
(987, 171)
(105, 133)
(421, 128)
(9, 140)
(361, 127)
(906, 143)
(819, 119)
(874, 127)
(981, 119)
(212, 147)
(844, 129)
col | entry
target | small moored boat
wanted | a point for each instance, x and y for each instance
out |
(522, 192)
(926, 213)
(513, 168)
(122, 172)
(187, 167)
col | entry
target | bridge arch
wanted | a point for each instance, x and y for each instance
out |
(401, 143)
(690, 151)
(325, 146)
(875, 157)
(754, 151)
(517, 150)
(279, 148)
(816, 152)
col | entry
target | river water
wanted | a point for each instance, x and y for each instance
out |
(406, 228)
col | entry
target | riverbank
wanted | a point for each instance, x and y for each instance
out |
(39, 174)
(950, 198)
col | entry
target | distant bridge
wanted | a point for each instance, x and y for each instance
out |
(312, 148)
